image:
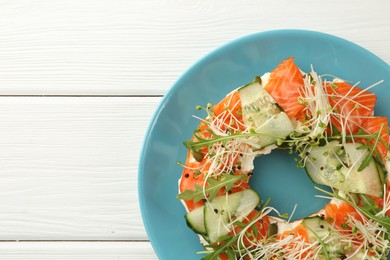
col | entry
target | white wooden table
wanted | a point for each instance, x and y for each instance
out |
(79, 81)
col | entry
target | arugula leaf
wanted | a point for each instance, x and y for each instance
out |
(203, 142)
(231, 255)
(226, 180)
(369, 208)
(324, 250)
(224, 248)
(367, 159)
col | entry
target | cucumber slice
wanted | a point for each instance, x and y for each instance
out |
(195, 220)
(263, 115)
(320, 230)
(249, 200)
(222, 211)
(337, 166)
(322, 165)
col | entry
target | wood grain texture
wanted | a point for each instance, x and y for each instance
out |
(69, 167)
(76, 251)
(142, 47)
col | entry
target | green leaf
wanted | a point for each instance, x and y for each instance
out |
(231, 255)
(272, 230)
(319, 239)
(222, 249)
(202, 142)
(366, 161)
(226, 180)
(368, 158)
(197, 155)
(257, 79)
(255, 230)
(369, 208)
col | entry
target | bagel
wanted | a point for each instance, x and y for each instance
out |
(331, 127)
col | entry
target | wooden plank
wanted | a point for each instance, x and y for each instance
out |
(76, 250)
(69, 167)
(142, 47)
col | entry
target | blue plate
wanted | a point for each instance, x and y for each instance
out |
(209, 80)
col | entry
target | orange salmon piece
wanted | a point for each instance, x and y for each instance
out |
(338, 214)
(261, 226)
(373, 125)
(299, 232)
(285, 85)
(351, 106)
(189, 179)
(229, 111)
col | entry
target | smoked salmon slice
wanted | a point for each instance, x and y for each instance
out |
(285, 85)
(373, 125)
(338, 214)
(228, 111)
(351, 106)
